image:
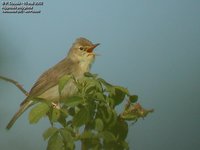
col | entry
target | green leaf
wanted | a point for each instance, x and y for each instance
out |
(87, 135)
(118, 95)
(88, 74)
(90, 86)
(111, 102)
(67, 137)
(81, 117)
(122, 89)
(38, 112)
(64, 112)
(99, 87)
(105, 113)
(49, 132)
(113, 119)
(55, 142)
(108, 136)
(125, 145)
(73, 101)
(104, 82)
(100, 96)
(63, 81)
(123, 126)
(98, 124)
(84, 80)
(71, 111)
(55, 115)
(133, 98)
(94, 85)
(66, 134)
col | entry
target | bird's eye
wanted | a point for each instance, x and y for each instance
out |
(81, 48)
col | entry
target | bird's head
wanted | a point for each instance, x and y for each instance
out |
(82, 50)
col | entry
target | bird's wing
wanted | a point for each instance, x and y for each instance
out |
(51, 77)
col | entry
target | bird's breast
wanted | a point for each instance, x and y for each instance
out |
(84, 66)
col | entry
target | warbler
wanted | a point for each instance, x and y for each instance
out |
(78, 61)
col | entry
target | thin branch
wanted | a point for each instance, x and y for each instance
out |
(15, 83)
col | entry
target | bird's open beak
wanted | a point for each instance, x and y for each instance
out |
(90, 49)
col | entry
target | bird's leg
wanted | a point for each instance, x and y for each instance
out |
(56, 105)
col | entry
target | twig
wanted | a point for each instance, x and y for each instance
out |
(15, 83)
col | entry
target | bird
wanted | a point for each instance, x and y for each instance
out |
(78, 61)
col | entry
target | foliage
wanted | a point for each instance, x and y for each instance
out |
(89, 116)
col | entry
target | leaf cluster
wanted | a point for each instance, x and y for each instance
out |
(89, 115)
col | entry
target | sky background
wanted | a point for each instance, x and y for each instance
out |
(152, 47)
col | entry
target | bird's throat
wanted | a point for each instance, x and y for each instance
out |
(84, 66)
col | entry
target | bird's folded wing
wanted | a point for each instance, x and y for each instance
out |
(51, 77)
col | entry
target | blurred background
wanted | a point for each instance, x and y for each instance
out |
(150, 47)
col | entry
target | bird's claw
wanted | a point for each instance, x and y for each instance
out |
(56, 105)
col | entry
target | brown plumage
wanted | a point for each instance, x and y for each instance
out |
(77, 62)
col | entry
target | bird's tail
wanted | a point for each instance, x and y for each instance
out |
(22, 108)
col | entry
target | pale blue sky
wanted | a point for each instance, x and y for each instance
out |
(151, 47)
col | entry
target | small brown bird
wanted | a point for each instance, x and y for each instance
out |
(78, 61)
